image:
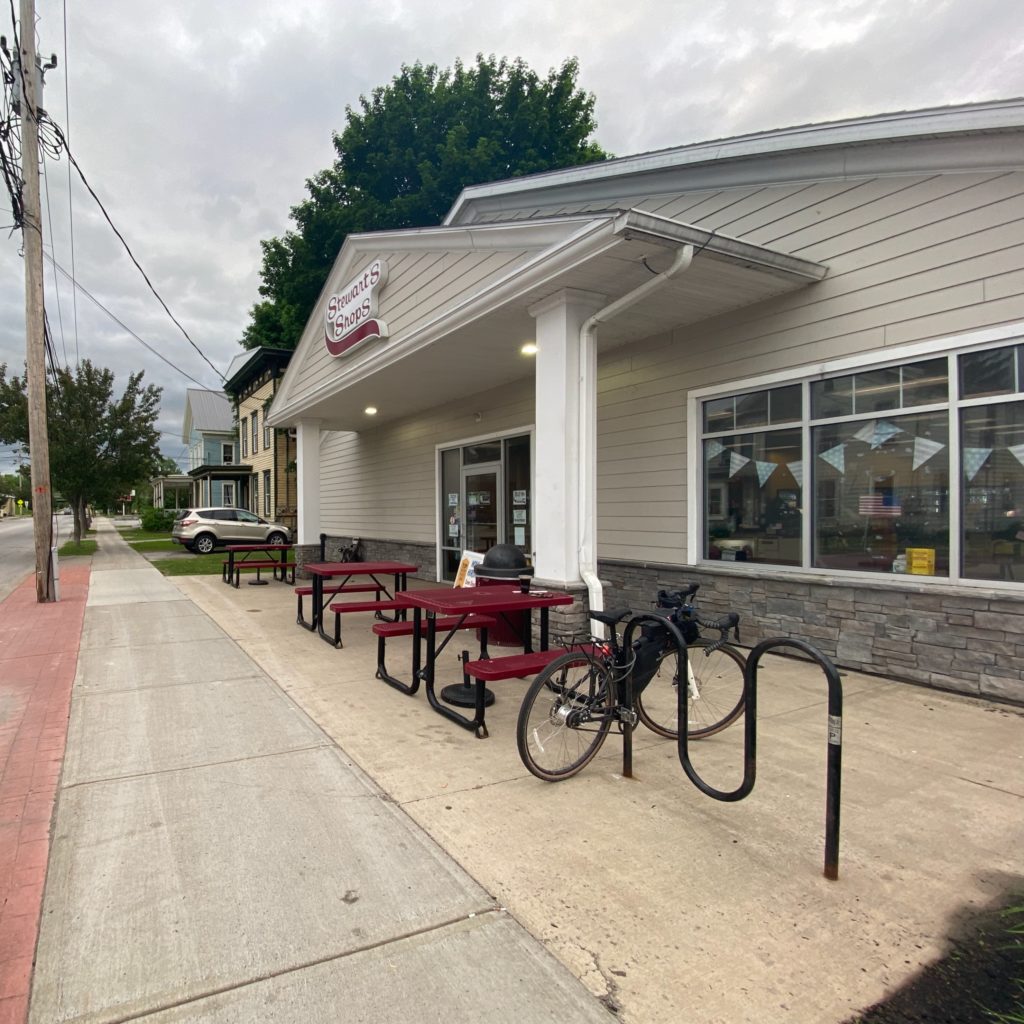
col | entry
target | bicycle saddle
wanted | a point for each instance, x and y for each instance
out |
(612, 617)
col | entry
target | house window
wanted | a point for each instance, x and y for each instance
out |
(254, 425)
(254, 485)
(227, 454)
(266, 492)
(228, 494)
(916, 467)
(244, 437)
(266, 433)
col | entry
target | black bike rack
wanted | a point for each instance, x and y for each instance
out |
(835, 728)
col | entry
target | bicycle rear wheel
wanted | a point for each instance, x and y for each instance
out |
(565, 717)
(716, 697)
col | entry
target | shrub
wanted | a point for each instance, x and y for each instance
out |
(157, 520)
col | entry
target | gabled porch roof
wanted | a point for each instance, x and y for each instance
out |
(473, 343)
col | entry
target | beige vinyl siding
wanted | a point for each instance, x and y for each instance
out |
(910, 259)
(382, 483)
(420, 287)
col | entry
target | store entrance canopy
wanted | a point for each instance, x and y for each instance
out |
(474, 343)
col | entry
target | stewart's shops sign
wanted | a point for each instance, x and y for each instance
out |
(351, 315)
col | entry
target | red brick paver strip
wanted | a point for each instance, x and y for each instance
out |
(38, 658)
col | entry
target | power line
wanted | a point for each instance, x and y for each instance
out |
(71, 215)
(56, 286)
(120, 323)
(64, 142)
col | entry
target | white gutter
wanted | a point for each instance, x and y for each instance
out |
(587, 463)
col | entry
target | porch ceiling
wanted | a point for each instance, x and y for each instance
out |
(484, 353)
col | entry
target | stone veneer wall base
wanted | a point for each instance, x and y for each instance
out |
(969, 641)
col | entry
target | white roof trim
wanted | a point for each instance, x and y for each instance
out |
(591, 239)
(993, 116)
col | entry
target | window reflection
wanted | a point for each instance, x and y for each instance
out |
(881, 489)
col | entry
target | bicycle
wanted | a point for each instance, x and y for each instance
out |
(351, 552)
(571, 705)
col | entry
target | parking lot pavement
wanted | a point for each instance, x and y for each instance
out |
(667, 905)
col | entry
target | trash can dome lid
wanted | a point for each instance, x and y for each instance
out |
(504, 556)
(503, 561)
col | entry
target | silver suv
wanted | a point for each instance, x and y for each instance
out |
(202, 529)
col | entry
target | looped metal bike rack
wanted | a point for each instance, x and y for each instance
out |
(834, 747)
(835, 727)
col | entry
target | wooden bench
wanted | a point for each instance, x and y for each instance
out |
(285, 569)
(386, 630)
(341, 607)
(347, 588)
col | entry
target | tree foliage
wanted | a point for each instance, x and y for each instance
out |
(100, 444)
(405, 156)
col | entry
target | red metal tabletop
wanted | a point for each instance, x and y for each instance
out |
(328, 569)
(257, 547)
(483, 600)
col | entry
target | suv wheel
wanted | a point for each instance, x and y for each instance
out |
(277, 538)
(205, 543)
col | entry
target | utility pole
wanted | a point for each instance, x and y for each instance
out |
(35, 343)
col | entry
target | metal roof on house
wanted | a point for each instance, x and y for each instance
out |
(208, 410)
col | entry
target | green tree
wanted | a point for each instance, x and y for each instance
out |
(100, 444)
(403, 158)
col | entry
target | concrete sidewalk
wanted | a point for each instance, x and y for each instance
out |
(250, 827)
(217, 857)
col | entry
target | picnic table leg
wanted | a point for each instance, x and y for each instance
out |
(476, 724)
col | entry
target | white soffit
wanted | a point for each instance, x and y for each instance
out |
(475, 345)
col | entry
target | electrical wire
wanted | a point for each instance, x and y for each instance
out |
(56, 285)
(64, 143)
(71, 215)
(120, 323)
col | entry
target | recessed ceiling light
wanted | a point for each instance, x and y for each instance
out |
(529, 349)
(370, 410)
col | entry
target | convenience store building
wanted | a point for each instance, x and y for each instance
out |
(789, 366)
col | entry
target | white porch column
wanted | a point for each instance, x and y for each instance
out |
(557, 444)
(307, 452)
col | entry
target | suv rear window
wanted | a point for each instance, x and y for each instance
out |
(182, 514)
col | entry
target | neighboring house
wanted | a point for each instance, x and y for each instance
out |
(788, 366)
(252, 381)
(218, 476)
(7, 505)
(172, 491)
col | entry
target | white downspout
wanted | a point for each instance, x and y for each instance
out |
(587, 476)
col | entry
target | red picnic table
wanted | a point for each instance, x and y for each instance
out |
(461, 602)
(344, 571)
(231, 570)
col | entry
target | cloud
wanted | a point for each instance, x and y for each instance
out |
(198, 123)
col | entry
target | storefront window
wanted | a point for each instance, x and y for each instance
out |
(753, 503)
(993, 491)
(875, 455)
(881, 488)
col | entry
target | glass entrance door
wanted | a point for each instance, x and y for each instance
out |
(484, 499)
(481, 498)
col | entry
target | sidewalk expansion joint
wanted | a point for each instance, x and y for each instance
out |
(325, 745)
(462, 789)
(318, 962)
(988, 785)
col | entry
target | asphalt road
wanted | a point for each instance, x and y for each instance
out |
(17, 549)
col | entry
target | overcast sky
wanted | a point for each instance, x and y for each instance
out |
(197, 123)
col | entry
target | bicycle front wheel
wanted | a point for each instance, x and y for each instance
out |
(565, 717)
(716, 692)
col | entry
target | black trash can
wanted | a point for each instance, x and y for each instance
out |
(504, 564)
